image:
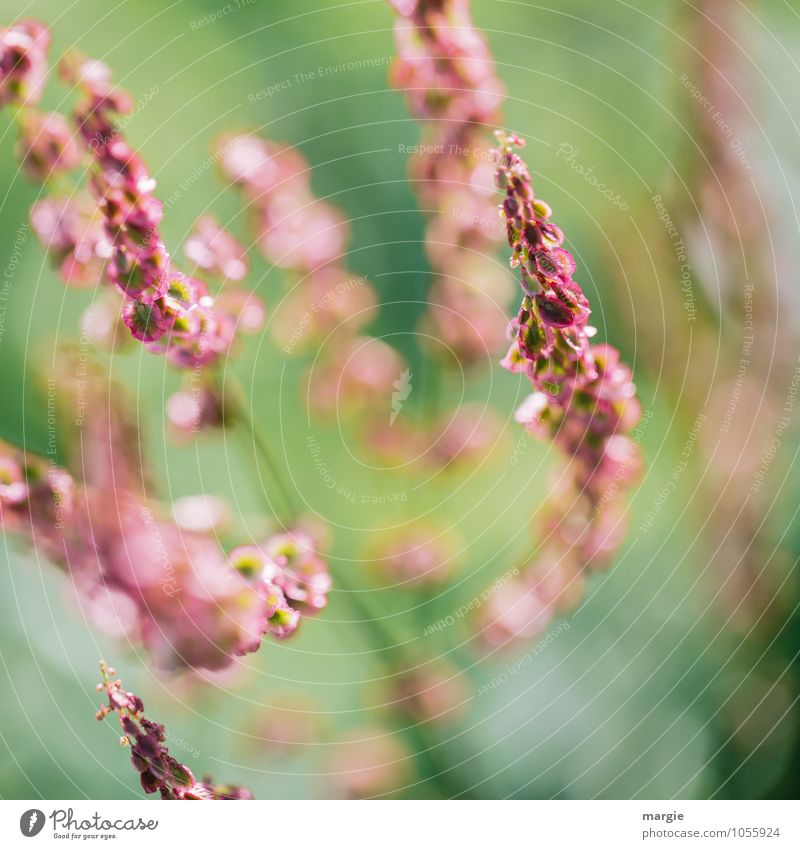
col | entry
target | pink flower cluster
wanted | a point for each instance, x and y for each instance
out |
(46, 145)
(456, 439)
(139, 575)
(169, 311)
(23, 63)
(276, 180)
(71, 230)
(446, 70)
(114, 233)
(158, 770)
(328, 306)
(419, 556)
(444, 64)
(215, 251)
(584, 401)
(582, 390)
(289, 565)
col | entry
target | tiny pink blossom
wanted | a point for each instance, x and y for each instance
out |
(46, 145)
(213, 250)
(23, 62)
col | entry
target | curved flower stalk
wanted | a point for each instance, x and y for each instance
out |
(167, 310)
(159, 772)
(70, 227)
(446, 70)
(583, 400)
(138, 575)
(112, 233)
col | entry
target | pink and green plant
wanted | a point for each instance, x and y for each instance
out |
(159, 576)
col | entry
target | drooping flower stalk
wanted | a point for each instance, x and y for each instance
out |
(447, 73)
(114, 234)
(111, 235)
(177, 591)
(159, 772)
(165, 309)
(583, 400)
(138, 575)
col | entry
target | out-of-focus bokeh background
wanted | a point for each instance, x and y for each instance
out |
(664, 134)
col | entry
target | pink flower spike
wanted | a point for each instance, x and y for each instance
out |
(158, 770)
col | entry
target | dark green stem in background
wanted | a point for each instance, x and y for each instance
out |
(403, 659)
(397, 656)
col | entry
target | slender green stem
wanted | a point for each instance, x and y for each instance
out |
(424, 746)
(235, 406)
(431, 389)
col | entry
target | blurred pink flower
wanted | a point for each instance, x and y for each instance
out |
(416, 556)
(46, 145)
(292, 227)
(213, 250)
(327, 306)
(23, 62)
(437, 693)
(366, 763)
(294, 565)
(71, 230)
(357, 375)
(135, 571)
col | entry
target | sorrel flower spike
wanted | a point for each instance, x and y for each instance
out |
(135, 573)
(550, 334)
(447, 73)
(166, 310)
(328, 304)
(584, 400)
(158, 770)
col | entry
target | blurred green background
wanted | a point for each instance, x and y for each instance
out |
(677, 677)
